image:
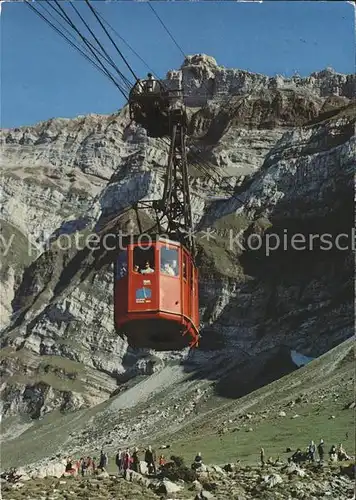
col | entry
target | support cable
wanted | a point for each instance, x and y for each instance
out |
(86, 43)
(109, 59)
(110, 38)
(104, 71)
(166, 29)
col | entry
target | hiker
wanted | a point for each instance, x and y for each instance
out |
(161, 461)
(90, 465)
(70, 468)
(333, 453)
(150, 460)
(311, 451)
(198, 461)
(93, 464)
(297, 456)
(262, 456)
(118, 460)
(83, 466)
(135, 461)
(321, 450)
(103, 463)
(341, 453)
(127, 461)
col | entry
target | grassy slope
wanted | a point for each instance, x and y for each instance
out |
(324, 388)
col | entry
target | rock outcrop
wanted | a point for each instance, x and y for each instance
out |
(244, 482)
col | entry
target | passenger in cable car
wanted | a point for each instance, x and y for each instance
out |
(175, 267)
(136, 269)
(168, 269)
(151, 85)
(147, 269)
(169, 261)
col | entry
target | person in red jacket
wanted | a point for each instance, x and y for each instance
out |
(127, 461)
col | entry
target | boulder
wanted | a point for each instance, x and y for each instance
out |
(49, 470)
(293, 468)
(272, 480)
(143, 467)
(204, 495)
(25, 477)
(103, 475)
(168, 487)
(197, 485)
(135, 477)
(217, 469)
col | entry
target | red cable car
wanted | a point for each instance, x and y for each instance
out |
(156, 295)
(156, 282)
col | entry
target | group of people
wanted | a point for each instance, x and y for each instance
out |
(146, 269)
(310, 454)
(169, 268)
(85, 465)
(125, 460)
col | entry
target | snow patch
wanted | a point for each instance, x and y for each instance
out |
(299, 359)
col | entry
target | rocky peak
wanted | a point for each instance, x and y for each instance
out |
(203, 79)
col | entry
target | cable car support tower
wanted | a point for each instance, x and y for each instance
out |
(163, 114)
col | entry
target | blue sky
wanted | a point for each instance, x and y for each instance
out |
(43, 77)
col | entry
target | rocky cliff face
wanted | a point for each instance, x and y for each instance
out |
(285, 148)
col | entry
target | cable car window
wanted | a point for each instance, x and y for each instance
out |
(169, 261)
(121, 265)
(144, 260)
(185, 266)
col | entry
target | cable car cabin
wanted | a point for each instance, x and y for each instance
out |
(150, 106)
(156, 295)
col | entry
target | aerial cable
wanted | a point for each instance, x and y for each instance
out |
(90, 48)
(126, 43)
(167, 30)
(41, 4)
(172, 37)
(109, 59)
(87, 42)
(110, 38)
(105, 72)
(67, 31)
